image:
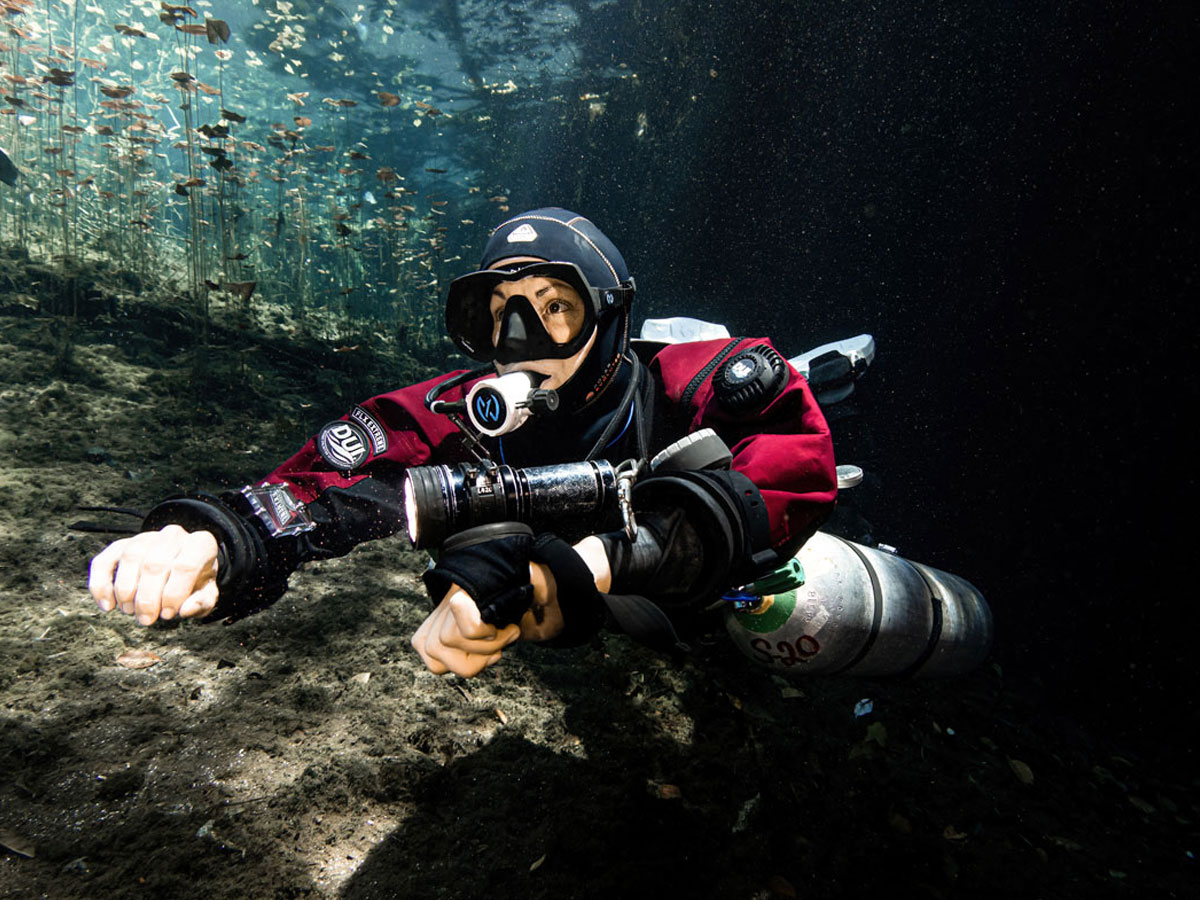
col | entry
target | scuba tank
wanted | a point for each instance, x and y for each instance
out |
(841, 607)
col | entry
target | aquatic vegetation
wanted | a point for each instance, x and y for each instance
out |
(268, 159)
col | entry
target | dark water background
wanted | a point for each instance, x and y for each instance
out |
(1002, 196)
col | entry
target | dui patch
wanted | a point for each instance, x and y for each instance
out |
(344, 444)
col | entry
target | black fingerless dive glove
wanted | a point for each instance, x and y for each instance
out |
(491, 563)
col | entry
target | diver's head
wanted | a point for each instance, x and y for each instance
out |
(551, 296)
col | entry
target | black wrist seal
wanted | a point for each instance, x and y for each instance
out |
(244, 580)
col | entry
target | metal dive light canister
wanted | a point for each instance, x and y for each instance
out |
(860, 611)
(442, 500)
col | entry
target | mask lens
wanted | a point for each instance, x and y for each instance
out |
(469, 319)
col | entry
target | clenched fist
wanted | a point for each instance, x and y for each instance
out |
(157, 575)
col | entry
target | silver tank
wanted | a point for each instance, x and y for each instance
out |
(864, 612)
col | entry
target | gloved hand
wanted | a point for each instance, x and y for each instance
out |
(566, 608)
(490, 563)
(576, 597)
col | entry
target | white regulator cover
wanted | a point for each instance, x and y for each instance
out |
(499, 405)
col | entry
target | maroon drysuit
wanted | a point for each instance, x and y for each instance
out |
(785, 450)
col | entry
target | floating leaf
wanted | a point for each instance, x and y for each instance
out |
(1140, 804)
(138, 659)
(1021, 770)
(1065, 842)
(17, 844)
(177, 11)
(388, 99)
(217, 30)
(666, 791)
(242, 290)
(59, 77)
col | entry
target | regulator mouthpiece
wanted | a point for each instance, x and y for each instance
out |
(499, 405)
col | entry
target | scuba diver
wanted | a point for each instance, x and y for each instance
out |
(719, 456)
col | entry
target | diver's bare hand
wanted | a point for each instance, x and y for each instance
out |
(157, 575)
(455, 639)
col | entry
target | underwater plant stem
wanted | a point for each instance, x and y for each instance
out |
(195, 209)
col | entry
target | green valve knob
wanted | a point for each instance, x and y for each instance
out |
(788, 576)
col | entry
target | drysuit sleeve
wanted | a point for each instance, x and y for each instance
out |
(344, 486)
(704, 532)
(784, 448)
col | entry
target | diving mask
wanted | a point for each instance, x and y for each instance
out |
(522, 334)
